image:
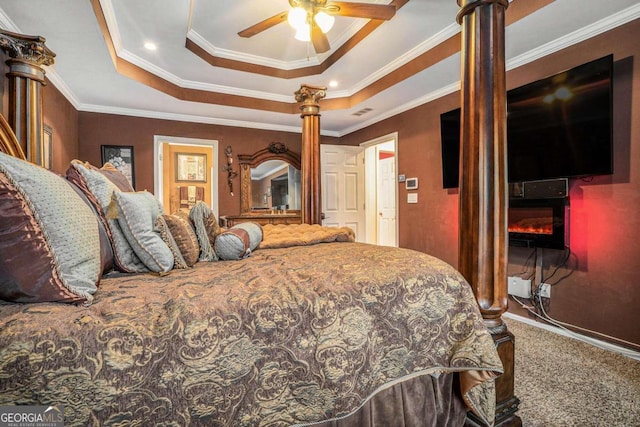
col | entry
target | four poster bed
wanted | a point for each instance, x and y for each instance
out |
(304, 331)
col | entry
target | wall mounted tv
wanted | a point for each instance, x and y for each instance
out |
(557, 127)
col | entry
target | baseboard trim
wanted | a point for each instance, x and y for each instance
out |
(632, 354)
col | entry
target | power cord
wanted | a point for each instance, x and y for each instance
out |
(565, 327)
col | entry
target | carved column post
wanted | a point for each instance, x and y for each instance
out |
(27, 56)
(310, 155)
(483, 183)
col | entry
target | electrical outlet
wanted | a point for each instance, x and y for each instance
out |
(519, 287)
(545, 290)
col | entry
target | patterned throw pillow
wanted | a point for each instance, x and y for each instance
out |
(137, 214)
(99, 190)
(207, 228)
(238, 241)
(178, 233)
(254, 230)
(232, 244)
(49, 238)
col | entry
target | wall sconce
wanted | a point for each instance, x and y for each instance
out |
(229, 169)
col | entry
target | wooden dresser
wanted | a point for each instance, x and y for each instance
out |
(262, 219)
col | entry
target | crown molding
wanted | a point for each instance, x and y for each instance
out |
(578, 36)
(252, 59)
(599, 27)
(112, 24)
(7, 24)
(102, 109)
(409, 56)
(432, 96)
(190, 84)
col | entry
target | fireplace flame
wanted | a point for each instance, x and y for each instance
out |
(532, 226)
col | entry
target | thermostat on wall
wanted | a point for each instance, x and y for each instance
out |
(411, 183)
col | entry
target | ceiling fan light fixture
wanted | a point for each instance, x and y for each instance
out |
(297, 18)
(304, 33)
(324, 21)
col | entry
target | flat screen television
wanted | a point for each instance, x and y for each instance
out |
(557, 127)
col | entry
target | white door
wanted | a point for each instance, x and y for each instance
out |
(381, 193)
(342, 169)
(387, 201)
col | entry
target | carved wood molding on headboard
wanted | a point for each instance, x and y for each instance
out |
(8, 142)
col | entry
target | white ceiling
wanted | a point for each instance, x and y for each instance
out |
(85, 73)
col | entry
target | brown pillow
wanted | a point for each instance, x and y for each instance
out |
(177, 232)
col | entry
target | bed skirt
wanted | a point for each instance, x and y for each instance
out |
(423, 401)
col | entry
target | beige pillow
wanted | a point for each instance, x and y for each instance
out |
(137, 214)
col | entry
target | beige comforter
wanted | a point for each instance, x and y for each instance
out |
(284, 236)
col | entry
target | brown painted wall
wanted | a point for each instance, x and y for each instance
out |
(106, 129)
(62, 117)
(601, 291)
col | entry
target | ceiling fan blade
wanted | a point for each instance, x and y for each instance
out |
(363, 10)
(264, 25)
(319, 39)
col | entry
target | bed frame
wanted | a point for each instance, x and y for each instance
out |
(483, 186)
(482, 258)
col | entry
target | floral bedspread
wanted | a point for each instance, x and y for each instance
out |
(287, 336)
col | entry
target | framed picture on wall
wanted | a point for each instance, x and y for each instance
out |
(191, 167)
(120, 156)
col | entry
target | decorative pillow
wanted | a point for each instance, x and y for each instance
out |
(49, 237)
(233, 244)
(137, 214)
(207, 228)
(255, 232)
(238, 241)
(177, 232)
(99, 190)
(165, 234)
(106, 252)
(107, 170)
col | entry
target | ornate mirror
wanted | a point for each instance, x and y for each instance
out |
(270, 181)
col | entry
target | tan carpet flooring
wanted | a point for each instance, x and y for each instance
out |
(564, 382)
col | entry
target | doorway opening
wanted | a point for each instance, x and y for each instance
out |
(381, 190)
(185, 171)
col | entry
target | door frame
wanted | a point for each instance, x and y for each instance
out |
(160, 140)
(371, 185)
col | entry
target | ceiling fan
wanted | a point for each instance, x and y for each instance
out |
(312, 19)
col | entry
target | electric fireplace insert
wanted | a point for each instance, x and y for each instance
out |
(538, 223)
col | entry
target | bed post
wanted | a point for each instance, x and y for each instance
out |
(483, 185)
(310, 155)
(27, 56)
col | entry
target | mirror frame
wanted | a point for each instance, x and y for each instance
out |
(275, 151)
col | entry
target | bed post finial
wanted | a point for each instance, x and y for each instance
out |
(26, 76)
(310, 153)
(483, 249)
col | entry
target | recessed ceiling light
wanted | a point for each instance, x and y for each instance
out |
(150, 46)
(333, 83)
